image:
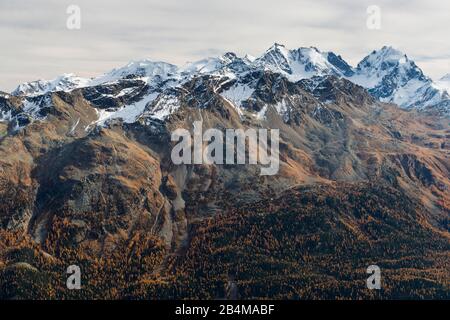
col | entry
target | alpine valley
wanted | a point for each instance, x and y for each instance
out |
(86, 179)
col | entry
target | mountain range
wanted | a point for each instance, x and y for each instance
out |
(388, 74)
(86, 179)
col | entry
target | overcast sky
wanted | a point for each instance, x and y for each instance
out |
(36, 44)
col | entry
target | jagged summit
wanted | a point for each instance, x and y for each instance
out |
(379, 63)
(303, 62)
(228, 62)
(391, 76)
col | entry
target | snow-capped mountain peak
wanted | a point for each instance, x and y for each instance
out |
(145, 70)
(65, 82)
(277, 57)
(380, 58)
(249, 58)
(388, 74)
(208, 65)
(303, 62)
(391, 76)
(379, 63)
(228, 64)
(312, 60)
(142, 69)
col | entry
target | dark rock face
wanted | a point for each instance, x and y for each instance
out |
(340, 63)
(415, 169)
(271, 87)
(115, 95)
(169, 187)
(333, 89)
(8, 105)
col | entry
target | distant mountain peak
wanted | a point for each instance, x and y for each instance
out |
(64, 82)
(137, 69)
(249, 58)
(382, 59)
(276, 46)
(229, 56)
(392, 77)
(390, 50)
